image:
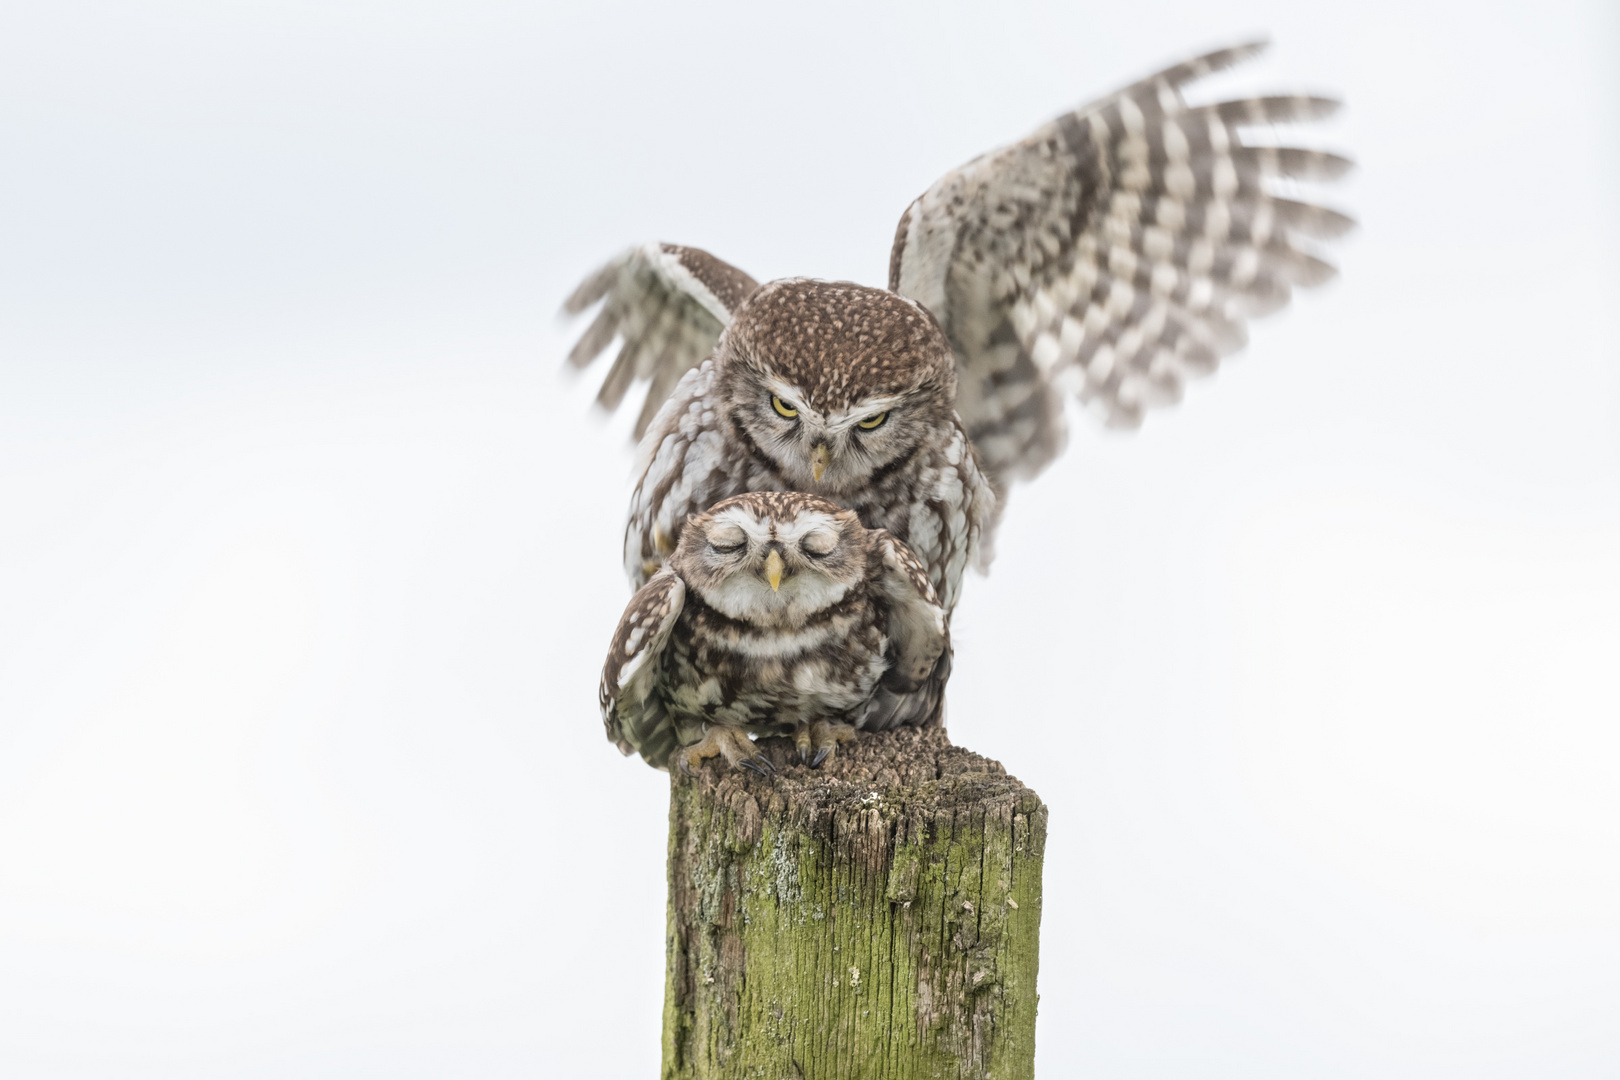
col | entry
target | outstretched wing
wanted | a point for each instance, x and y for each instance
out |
(913, 688)
(668, 304)
(631, 710)
(1118, 250)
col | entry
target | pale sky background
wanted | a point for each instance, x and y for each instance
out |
(309, 552)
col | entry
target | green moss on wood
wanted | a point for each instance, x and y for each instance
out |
(875, 919)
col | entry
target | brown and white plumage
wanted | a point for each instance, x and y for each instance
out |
(668, 304)
(1118, 249)
(1115, 253)
(778, 613)
(835, 355)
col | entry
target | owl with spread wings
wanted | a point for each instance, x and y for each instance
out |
(1112, 255)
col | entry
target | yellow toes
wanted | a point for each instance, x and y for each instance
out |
(730, 743)
(823, 738)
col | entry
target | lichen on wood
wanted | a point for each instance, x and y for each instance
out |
(874, 919)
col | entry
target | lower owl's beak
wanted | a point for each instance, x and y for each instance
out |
(819, 456)
(773, 569)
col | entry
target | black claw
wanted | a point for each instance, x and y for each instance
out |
(821, 755)
(804, 755)
(767, 762)
(753, 764)
(685, 767)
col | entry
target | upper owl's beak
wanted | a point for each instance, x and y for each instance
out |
(773, 569)
(819, 456)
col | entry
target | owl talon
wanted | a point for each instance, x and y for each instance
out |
(760, 764)
(818, 741)
(731, 743)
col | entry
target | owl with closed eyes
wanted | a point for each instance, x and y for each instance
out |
(775, 614)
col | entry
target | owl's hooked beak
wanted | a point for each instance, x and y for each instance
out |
(819, 456)
(773, 569)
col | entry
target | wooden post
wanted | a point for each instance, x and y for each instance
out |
(874, 919)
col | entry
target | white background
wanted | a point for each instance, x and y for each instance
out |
(309, 552)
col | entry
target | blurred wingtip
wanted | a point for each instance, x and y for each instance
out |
(1233, 55)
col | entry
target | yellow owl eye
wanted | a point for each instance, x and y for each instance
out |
(871, 423)
(781, 408)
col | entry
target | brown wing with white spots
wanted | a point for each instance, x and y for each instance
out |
(632, 710)
(1118, 250)
(668, 304)
(918, 629)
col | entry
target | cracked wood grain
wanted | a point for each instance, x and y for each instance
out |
(874, 919)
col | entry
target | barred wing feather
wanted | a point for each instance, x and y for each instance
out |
(1118, 252)
(667, 304)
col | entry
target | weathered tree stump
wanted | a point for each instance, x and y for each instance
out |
(878, 917)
